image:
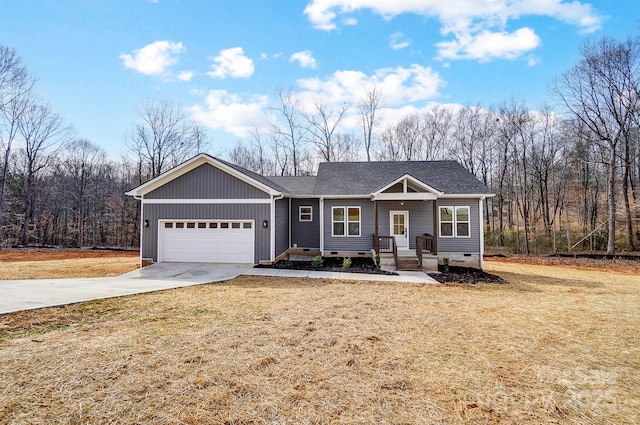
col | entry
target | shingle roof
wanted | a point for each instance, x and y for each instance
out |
(258, 177)
(364, 178)
(295, 185)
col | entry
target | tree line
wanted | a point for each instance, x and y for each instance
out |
(565, 178)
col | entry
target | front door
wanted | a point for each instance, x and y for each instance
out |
(400, 228)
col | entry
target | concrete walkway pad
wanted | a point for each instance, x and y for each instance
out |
(17, 295)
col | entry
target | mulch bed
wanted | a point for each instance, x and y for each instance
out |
(466, 275)
(334, 264)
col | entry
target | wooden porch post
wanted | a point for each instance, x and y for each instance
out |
(435, 227)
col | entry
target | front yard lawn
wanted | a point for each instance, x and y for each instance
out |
(552, 345)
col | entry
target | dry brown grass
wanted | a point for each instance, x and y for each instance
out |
(548, 347)
(48, 264)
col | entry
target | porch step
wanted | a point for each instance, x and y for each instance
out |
(408, 264)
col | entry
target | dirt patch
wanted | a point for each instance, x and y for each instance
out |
(39, 254)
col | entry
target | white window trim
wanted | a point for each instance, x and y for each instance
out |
(454, 221)
(310, 213)
(346, 222)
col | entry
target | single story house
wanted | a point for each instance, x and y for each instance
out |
(207, 209)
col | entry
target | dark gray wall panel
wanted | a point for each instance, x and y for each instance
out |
(362, 243)
(420, 218)
(470, 245)
(306, 234)
(207, 182)
(282, 226)
(155, 212)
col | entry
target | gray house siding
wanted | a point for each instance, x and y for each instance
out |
(256, 212)
(207, 182)
(305, 234)
(470, 245)
(282, 226)
(362, 243)
(420, 218)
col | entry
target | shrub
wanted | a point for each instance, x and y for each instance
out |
(445, 265)
(346, 263)
(317, 261)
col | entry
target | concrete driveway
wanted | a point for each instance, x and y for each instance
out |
(17, 295)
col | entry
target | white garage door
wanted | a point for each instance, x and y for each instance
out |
(220, 241)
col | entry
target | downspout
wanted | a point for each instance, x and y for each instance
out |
(141, 199)
(273, 227)
(481, 218)
(321, 224)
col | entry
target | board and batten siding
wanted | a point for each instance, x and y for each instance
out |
(463, 245)
(305, 234)
(255, 212)
(282, 225)
(364, 242)
(207, 182)
(420, 218)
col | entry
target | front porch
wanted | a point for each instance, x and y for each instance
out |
(404, 232)
(421, 258)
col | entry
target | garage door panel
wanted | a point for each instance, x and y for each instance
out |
(217, 241)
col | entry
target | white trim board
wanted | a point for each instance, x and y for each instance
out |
(207, 201)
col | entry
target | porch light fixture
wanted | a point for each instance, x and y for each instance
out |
(265, 224)
(146, 223)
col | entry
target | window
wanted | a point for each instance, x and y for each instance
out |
(337, 221)
(462, 222)
(353, 220)
(168, 225)
(455, 222)
(305, 213)
(235, 225)
(345, 221)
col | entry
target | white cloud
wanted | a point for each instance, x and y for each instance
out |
(232, 63)
(489, 45)
(304, 58)
(471, 22)
(403, 90)
(226, 111)
(396, 85)
(154, 58)
(185, 76)
(399, 41)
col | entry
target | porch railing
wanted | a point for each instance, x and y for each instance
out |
(386, 244)
(424, 244)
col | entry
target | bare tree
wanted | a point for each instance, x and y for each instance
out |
(164, 138)
(601, 92)
(253, 155)
(15, 79)
(44, 132)
(82, 163)
(323, 124)
(437, 127)
(289, 135)
(369, 107)
(15, 86)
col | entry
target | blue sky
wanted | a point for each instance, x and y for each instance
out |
(98, 61)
